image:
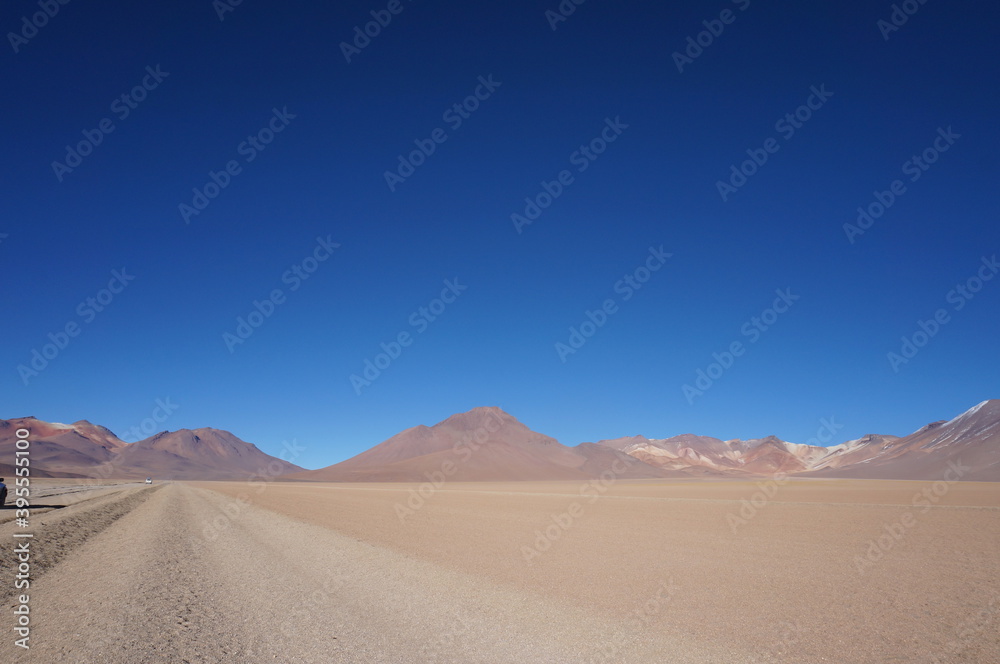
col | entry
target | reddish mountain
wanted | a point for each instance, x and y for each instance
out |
(83, 449)
(970, 440)
(767, 456)
(853, 452)
(489, 444)
(200, 454)
(703, 455)
(481, 444)
(60, 448)
(600, 459)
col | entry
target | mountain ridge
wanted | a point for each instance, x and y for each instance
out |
(418, 452)
(487, 443)
(83, 449)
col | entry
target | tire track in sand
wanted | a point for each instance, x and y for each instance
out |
(58, 532)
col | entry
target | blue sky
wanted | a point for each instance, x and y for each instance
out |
(212, 93)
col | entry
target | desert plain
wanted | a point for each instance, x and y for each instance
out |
(699, 571)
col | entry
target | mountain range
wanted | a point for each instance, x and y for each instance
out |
(83, 449)
(489, 444)
(481, 444)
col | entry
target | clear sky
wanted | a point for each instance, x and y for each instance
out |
(624, 133)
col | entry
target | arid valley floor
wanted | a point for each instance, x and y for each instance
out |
(634, 571)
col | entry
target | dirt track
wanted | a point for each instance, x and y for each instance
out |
(152, 588)
(647, 573)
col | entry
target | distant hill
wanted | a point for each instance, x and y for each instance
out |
(481, 444)
(83, 449)
(489, 444)
(971, 440)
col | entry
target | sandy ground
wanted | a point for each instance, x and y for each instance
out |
(49, 494)
(518, 572)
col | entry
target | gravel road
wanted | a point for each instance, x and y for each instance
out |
(178, 574)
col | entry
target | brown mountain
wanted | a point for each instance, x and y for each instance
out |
(83, 449)
(489, 444)
(201, 454)
(61, 449)
(853, 452)
(676, 457)
(971, 440)
(768, 456)
(481, 444)
(689, 454)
